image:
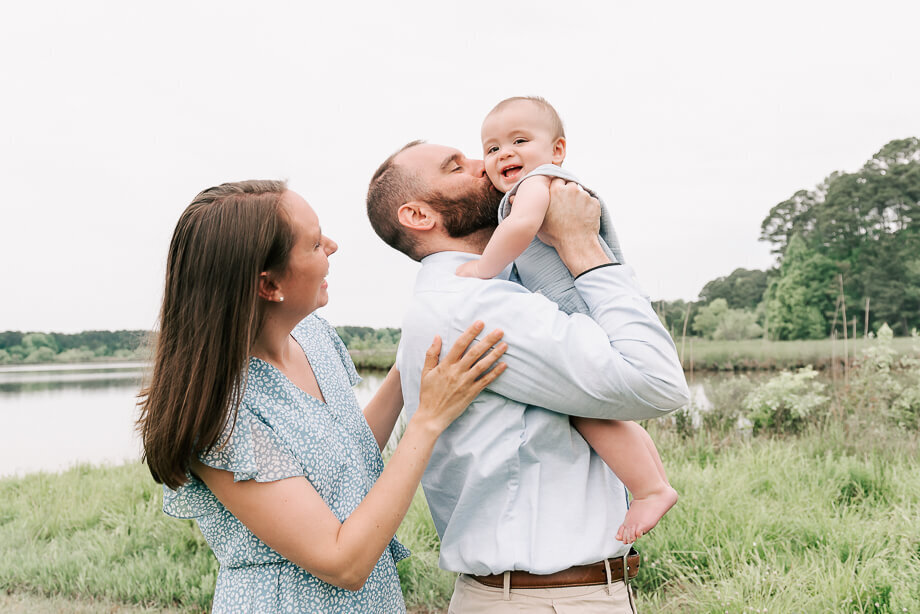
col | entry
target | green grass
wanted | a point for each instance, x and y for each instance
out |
(756, 354)
(95, 539)
(705, 355)
(380, 360)
(100, 533)
(28, 603)
(823, 522)
(426, 587)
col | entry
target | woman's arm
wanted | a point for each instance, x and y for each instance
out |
(291, 517)
(382, 411)
(515, 232)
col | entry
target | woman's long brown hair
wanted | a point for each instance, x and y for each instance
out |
(210, 317)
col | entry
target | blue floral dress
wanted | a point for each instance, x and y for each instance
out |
(282, 432)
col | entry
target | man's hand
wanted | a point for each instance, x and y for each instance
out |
(571, 226)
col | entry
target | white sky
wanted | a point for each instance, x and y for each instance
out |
(691, 119)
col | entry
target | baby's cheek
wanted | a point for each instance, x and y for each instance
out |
(497, 183)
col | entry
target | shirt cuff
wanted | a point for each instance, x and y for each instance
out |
(600, 266)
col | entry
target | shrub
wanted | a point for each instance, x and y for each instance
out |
(906, 408)
(726, 396)
(75, 355)
(737, 324)
(41, 354)
(784, 403)
(887, 383)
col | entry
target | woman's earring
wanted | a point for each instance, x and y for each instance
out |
(280, 299)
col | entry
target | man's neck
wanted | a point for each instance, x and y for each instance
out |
(473, 243)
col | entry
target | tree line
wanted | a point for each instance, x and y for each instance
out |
(34, 347)
(20, 347)
(848, 255)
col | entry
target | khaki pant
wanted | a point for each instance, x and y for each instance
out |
(471, 597)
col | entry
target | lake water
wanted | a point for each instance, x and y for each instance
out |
(55, 416)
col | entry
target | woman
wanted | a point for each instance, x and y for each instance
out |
(250, 422)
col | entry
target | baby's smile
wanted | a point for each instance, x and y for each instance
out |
(511, 171)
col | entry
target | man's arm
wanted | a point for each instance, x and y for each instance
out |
(619, 363)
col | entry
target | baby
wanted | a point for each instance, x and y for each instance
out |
(523, 146)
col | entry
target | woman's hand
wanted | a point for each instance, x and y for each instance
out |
(449, 387)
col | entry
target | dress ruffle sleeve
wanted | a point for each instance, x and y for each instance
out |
(398, 551)
(250, 449)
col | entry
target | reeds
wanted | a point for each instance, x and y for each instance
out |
(757, 354)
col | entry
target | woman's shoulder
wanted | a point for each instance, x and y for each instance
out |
(312, 323)
(314, 327)
(315, 332)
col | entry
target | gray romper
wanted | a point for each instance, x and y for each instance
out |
(540, 268)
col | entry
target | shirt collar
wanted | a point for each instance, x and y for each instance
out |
(451, 260)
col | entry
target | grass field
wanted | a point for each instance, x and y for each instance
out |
(757, 354)
(373, 359)
(704, 355)
(822, 522)
(815, 511)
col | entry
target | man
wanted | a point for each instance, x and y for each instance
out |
(511, 485)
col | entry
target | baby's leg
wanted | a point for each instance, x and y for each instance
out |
(631, 453)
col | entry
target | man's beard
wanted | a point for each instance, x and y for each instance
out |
(463, 215)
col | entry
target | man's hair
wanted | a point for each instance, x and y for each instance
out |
(391, 187)
(555, 120)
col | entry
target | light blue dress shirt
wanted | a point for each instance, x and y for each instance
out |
(510, 484)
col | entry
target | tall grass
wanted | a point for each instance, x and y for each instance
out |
(379, 359)
(97, 534)
(706, 355)
(757, 354)
(426, 587)
(822, 517)
(100, 532)
(823, 522)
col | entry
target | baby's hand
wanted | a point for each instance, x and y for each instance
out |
(468, 269)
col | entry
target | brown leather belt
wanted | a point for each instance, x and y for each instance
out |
(580, 575)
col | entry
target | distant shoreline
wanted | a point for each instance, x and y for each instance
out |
(697, 355)
(375, 360)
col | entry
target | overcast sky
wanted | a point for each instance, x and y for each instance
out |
(691, 119)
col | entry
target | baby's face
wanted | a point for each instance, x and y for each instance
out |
(516, 139)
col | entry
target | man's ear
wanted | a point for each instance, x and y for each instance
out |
(269, 289)
(417, 215)
(559, 150)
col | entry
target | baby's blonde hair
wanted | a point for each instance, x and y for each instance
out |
(555, 120)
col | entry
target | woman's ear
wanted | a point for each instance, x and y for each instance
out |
(269, 289)
(559, 150)
(417, 215)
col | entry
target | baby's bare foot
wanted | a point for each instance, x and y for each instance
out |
(644, 514)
